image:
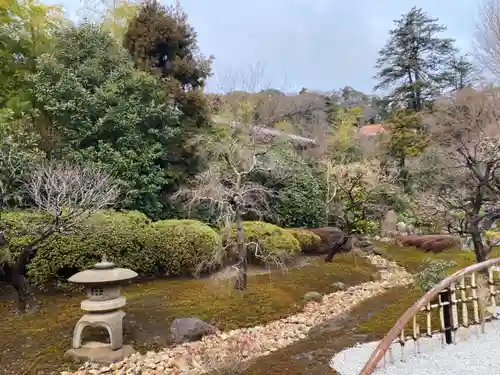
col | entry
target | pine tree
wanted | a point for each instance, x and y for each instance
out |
(462, 73)
(160, 38)
(162, 41)
(415, 62)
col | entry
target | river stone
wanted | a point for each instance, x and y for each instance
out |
(402, 228)
(364, 243)
(190, 329)
(313, 296)
(339, 285)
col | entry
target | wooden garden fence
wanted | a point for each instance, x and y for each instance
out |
(466, 298)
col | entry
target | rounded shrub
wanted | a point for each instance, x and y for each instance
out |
(267, 243)
(129, 239)
(117, 235)
(366, 227)
(492, 235)
(17, 226)
(181, 247)
(430, 242)
(309, 241)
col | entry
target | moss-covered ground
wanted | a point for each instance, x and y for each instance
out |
(312, 355)
(37, 341)
(369, 321)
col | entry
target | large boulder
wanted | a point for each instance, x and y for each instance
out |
(389, 224)
(190, 329)
(333, 241)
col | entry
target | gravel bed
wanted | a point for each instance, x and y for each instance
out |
(475, 353)
(225, 349)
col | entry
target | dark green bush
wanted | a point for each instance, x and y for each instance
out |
(300, 202)
(18, 226)
(114, 234)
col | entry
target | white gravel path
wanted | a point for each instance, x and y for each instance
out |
(475, 353)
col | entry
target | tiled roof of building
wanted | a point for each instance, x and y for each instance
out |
(371, 129)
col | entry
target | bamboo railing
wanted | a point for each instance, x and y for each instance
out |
(463, 290)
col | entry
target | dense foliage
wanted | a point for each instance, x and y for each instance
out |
(125, 93)
(162, 42)
(79, 95)
(18, 151)
(103, 110)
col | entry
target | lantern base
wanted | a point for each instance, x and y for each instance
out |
(98, 352)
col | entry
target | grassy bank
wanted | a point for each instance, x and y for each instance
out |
(39, 340)
(413, 259)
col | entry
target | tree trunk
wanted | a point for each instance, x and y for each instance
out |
(242, 276)
(12, 273)
(15, 273)
(404, 174)
(479, 249)
(413, 102)
(418, 92)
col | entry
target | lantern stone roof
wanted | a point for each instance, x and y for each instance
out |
(103, 272)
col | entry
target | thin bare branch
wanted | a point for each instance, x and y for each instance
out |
(70, 193)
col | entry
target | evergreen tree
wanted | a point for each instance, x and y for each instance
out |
(161, 41)
(415, 62)
(407, 139)
(462, 73)
(104, 111)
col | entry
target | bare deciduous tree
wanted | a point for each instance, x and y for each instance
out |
(349, 168)
(361, 188)
(465, 128)
(250, 99)
(67, 194)
(487, 38)
(235, 157)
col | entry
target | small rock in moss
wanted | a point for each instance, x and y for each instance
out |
(339, 285)
(190, 329)
(313, 296)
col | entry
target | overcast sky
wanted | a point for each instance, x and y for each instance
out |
(317, 44)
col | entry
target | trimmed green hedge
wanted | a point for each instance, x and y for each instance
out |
(309, 241)
(161, 248)
(129, 239)
(185, 245)
(268, 243)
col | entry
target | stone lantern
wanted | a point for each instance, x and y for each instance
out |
(103, 309)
